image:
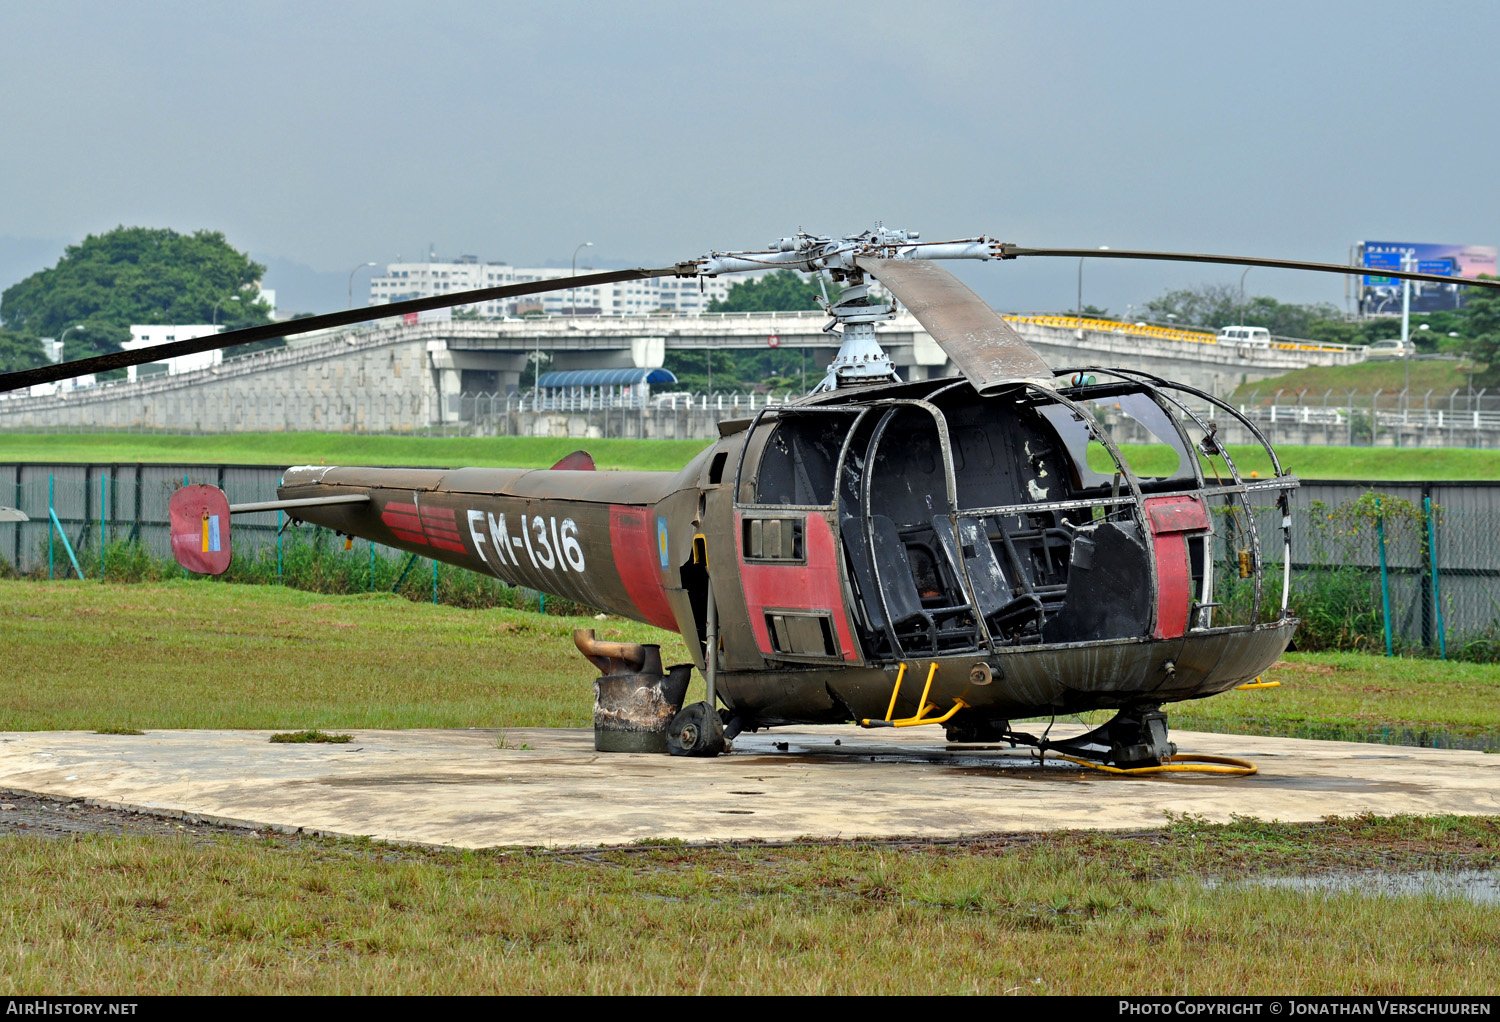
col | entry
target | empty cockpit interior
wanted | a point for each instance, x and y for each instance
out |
(967, 522)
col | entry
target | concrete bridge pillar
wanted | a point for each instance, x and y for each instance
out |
(648, 352)
(917, 356)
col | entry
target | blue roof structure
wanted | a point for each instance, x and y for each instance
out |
(604, 378)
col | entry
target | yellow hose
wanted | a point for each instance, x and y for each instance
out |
(1257, 683)
(1224, 766)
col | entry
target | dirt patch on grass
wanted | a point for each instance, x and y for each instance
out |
(1301, 668)
(41, 816)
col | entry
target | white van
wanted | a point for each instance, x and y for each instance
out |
(1389, 348)
(1245, 336)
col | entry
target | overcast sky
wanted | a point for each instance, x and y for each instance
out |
(333, 134)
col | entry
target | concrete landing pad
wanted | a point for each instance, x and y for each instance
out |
(481, 788)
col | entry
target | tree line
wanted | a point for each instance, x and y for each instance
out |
(1472, 331)
(110, 281)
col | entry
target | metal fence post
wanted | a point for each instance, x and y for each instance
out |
(57, 524)
(410, 560)
(1385, 578)
(1437, 592)
(103, 503)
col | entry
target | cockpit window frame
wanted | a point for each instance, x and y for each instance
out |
(855, 415)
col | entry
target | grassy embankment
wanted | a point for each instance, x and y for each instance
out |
(1064, 914)
(647, 455)
(1442, 377)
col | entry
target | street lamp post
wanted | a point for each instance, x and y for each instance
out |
(61, 352)
(1408, 263)
(536, 382)
(221, 301)
(352, 272)
(1078, 320)
(1102, 248)
(573, 272)
(536, 376)
(1242, 295)
(580, 248)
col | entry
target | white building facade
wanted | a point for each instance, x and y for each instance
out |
(146, 335)
(685, 296)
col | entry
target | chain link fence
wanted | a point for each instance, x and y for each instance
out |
(1396, 418)
(1386, 418)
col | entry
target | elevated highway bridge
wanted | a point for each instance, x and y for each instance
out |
(390, 376)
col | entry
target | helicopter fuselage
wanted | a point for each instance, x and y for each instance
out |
(1003, 538)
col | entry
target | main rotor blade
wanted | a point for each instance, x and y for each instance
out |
(983, 346)
(290, 328)
(1013, 251)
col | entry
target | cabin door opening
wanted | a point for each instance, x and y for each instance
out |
(897, 513)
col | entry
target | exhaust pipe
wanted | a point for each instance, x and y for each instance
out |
(634, 699)
(614, 657)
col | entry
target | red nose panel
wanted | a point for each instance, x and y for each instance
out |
(1172, 518)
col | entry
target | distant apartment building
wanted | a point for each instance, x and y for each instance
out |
(147, 335)
(686, 296)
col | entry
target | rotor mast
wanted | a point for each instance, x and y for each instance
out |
(860, 360)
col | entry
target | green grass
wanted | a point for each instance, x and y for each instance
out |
(312, 735)
(1355, 693)
(1378, 463)
(196, 654)
(283, 449)
(1442, 377)
(1062, 914)
(346, 449)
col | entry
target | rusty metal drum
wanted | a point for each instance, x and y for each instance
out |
(632, 711)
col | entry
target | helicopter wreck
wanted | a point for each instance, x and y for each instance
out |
(984, 533)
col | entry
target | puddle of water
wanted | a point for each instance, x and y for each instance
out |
(1479, 886)
(1386, 735)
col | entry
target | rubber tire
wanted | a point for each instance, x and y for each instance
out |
(696, 731)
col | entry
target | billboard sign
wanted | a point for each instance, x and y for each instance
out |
(1381, 294)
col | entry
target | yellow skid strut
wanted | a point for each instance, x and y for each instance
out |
(922, 705)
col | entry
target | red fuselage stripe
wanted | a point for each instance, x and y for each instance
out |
(632, 538)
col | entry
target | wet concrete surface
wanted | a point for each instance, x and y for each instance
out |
(481, 788)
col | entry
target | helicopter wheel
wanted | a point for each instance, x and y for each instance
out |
(696, 731)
